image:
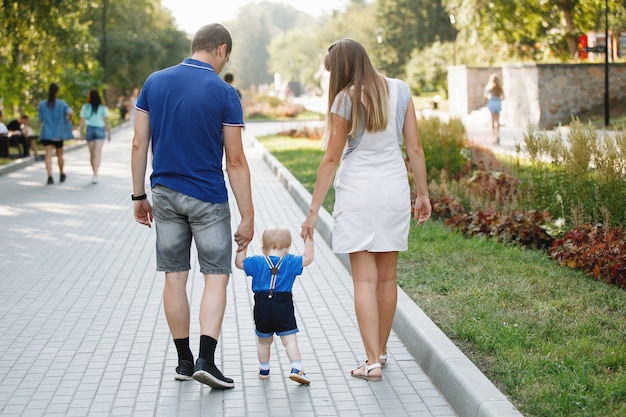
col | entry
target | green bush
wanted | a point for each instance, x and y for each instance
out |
(581, 179)
(427, 69)
(443, 143)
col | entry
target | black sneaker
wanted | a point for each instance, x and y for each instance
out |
(211, 376)
(62, 178)
(50, 180)
(184, 371)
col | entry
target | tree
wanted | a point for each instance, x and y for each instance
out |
(533, 29)
(60, 41)
(302, 64)
(253, 30)
(140, 38)
(406, 25)
(33, 55)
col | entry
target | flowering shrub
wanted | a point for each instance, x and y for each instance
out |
(599, 251)
(270, 107)
(581, 180)
(521, 227)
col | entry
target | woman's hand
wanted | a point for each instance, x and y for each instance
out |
(308, 227)
(422, 209)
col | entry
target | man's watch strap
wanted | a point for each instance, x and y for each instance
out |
(138, 197)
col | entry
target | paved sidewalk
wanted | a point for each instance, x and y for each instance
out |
(82, 329)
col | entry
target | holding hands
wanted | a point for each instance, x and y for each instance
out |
(308, 227)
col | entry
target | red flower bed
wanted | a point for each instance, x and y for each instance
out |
(599, 251)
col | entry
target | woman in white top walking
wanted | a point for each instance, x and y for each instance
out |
(367, 116)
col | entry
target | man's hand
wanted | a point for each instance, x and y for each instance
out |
(143, 212)
(244, 234)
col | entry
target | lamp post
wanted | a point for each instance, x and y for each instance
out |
(379, 35)
(379, 49)
(606, 64)
(453, 37)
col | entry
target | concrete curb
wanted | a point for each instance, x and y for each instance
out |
(466, 388)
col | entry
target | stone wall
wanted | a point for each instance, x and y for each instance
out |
(466, 87)
(541, 95)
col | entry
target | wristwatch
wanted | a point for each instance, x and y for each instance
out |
(138, 197)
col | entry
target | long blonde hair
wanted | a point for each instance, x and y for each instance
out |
(495, 86)
(352, 73)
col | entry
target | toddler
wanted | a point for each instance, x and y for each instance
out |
(273, 275)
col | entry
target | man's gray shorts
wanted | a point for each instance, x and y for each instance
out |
(177, 219)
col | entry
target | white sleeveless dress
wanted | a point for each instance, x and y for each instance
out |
(372, 197)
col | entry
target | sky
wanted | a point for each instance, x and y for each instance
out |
(190, 15)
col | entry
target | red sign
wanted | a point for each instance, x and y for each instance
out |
(582, 47)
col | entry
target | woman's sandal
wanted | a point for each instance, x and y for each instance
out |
(382, 359)
(363, 372)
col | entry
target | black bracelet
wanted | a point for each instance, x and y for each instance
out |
(138, 197)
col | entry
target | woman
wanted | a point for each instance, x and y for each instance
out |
(55, 116)
(95, 115)
(367, 115)
(494, 93)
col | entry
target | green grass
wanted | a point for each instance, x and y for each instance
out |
(301, 156)
(552, 339)
(617, 115)
(425, 101)
(304, 116)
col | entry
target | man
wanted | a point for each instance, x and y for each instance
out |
(193, 118)
(4, 141)
(230, 79)
(3, 128)
(24, 135)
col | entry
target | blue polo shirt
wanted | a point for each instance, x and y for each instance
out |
(188, 105)
(257, 268)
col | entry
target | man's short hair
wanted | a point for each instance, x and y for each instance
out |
(208, 38)
(229, 78)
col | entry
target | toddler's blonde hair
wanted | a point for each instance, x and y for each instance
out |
(276, 237)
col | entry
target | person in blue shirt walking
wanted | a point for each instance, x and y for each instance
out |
(56, 126)
(273, 275)
(189, 121)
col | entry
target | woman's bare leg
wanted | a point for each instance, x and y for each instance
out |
(387, 295)
(48, 159)
(365, 279)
